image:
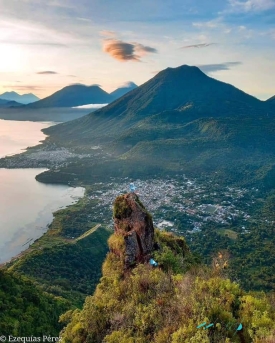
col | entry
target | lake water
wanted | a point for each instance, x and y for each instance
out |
(16, 136)
(26, 205)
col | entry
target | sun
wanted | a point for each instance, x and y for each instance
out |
(11, 58)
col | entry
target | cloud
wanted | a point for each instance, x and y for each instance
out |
(77, 84)
(83, 19)
(25, 87)
(211, 68)
(123, 51)
(91, 106)
(47, 72)
(128, 84)
(202, 45)
(82, 84)
(107, 33)
(251, 5)
(60, 4)
(208, 24)
(51, 3)
(272, 34)
(144, 49)
(22, 42)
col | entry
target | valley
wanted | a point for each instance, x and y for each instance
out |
(205, 169)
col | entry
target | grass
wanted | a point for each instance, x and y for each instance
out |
(87, 233)
(229, 233)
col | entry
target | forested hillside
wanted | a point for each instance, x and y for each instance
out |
(25, 310)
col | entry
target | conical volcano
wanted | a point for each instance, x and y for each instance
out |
(175, 95)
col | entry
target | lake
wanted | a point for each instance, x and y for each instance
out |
(16, 136)
(26, 205)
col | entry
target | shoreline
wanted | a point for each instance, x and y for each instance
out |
(34, 241)
(42, 155)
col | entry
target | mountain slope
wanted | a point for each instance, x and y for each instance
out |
(26, 309)
(23, 99)
(271, 100)
(3, 101)
(8, 103)
(75, 95)
(118, 93)
(179, 120)
(174, 96)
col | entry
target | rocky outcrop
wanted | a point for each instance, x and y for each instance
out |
(135, 225)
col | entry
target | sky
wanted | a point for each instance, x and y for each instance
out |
(47, 45)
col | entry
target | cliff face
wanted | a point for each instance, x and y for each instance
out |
(135, 225)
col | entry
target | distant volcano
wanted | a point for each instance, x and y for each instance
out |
(22, 99)
(123, 90)
(74, 95)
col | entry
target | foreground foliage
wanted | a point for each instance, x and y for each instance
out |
(166, 304)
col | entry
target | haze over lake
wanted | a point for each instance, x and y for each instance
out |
(16, 136)
(26, 205)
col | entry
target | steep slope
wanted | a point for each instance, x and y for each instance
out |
(172, 302)
(75, 95)
(23, 99)
(271, 100)
(25, 309)
(118, 93)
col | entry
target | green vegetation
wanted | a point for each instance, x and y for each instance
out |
(66, 261)
(54, 275)
(174, 254)
(70, 270)
(121, 210)
(25, 310)
(228, 233)
(163, 304)
(179, 122)
(166, 304)
(252, 255)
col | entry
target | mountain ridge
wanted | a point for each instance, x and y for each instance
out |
(271, 100)
(24, 98)
(79, 94)
(74, 95)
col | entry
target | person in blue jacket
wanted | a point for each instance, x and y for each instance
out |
(153, 262)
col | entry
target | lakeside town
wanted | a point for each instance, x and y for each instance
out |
(44, 156)
(179, 204)
(185, 201)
